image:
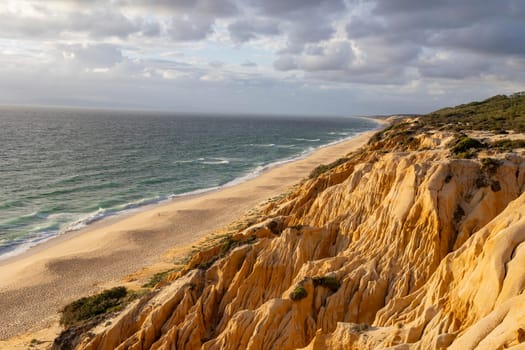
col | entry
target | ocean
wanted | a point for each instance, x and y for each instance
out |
(62, 169)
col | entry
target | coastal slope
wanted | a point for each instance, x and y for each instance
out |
(416, 241)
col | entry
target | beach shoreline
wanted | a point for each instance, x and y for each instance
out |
(77, 223)
(106, 220)
(61, 269)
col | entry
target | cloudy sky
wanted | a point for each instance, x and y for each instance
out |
(332, 57)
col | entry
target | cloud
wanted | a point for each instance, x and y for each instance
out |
(185, 28)
(334, 56)
(292, 8)
(249, 63)
(94, 22)
(496, 38)
(179, 20)
(249, 29)
(23, 27)
(93, 56)
(210, 8)
(189, 20)
(302, 33)
(299, 21)
(105, 23)
(391, 38)
(452, 65)
(150, 28)
(497, 27)
(335, 48)
(285, 62)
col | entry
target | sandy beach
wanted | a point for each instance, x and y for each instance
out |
(35, 285)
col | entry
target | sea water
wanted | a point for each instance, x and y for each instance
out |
(62, 169)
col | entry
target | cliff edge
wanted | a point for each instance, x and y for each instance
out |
(416, 241)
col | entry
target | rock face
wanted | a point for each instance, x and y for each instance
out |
(407, 250)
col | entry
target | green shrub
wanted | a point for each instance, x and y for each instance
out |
(35, 342)
(274, 227)
(482, 181)
(323, 168)
(359, 327)
(327, 281)
(298, 293)
(490, 165)
(89, 307)
(466, 155)
(228, 244)
(499, 113)
(466, 144)
(207, 264)
(156, 278)
(320, 169)
(388, 131)
(508, 145)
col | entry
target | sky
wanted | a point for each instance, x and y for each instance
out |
(315, 57)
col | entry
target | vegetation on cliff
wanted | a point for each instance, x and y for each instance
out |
(89, 307)
(499, 114)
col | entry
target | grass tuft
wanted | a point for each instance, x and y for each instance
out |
(360, 327)
(87, 308)
(507, 145)
(228, 244)
(156, 278)
(465, 144)
(298, 293)
(327, 281)
(35, 342)
(323, 168)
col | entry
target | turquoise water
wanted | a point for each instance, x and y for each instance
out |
(61, 169)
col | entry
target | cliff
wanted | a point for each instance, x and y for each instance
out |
(413, 242)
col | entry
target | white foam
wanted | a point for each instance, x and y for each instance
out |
(308, 140)
(262, 144)
(21, 246)
(86, 220)
(217, 161)
(102, 213)
(340, 133)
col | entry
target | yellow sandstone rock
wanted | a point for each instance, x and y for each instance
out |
(401, 250)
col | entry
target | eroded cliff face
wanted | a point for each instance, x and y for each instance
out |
(403, 249)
